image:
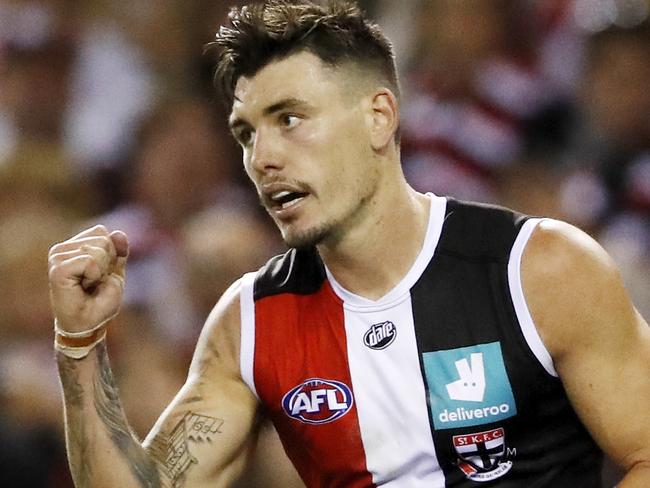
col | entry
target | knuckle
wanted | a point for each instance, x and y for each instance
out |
(105, 242)
(94, 250)
(55, 249)
(101, 228)
(54, 273)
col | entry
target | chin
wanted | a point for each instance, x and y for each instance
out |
(306, 238)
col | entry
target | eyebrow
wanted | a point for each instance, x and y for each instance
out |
(284, 104)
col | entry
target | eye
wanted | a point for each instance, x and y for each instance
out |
(243, 135)
(289, 121)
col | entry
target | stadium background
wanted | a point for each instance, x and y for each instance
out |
(107, 115)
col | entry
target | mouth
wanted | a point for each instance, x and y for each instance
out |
(282, 199)
(285, 199)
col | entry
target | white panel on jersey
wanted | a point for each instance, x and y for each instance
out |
(390, 396)
(519, 300)
(434, 230)
(247, 347)
(386, 376)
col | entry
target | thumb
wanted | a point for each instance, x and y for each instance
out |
(121, 243)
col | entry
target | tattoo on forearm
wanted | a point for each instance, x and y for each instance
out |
(174, 450)
(76, 428)
(109, 410)
(70, 381)
(80, 468)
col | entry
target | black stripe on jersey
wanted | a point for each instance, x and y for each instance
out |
(463, 300)
(298, 271)
(471, 235)
(448, 301)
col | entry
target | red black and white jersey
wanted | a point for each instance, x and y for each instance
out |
(444, 381)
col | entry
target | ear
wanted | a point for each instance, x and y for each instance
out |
(383, 118)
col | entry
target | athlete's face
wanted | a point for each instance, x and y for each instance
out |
(306, 147)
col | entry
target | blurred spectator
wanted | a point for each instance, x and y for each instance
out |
(31, 457)
(221, 244)
(609, 159)
(36, 87)
(180, 166)
(112, 88)
(30, 406)
(133, 336)
(475, 86)
(27, 229)
(34, 90)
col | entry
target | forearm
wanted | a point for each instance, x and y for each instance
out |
(102, 451)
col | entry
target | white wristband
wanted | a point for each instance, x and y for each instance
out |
(83, 333)
(78, 352)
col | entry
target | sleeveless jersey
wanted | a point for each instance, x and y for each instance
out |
(444, 381)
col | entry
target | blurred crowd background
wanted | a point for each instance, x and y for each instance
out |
(108, 115)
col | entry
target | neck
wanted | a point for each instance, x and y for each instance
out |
(378, 250)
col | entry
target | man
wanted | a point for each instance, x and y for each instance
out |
(405, 340)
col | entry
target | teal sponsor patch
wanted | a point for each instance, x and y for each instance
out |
(468, 386)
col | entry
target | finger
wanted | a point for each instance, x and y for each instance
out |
(111, 289)
(101, 255)
(116, 280)
(103, 260)
(58, 258)
(73, 271)
(96, 241)
(97, 230)
(120, 242)
(119, 269)
(88, 275)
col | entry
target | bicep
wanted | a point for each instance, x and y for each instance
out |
(609, 386)
(599, 343)
(205, 435)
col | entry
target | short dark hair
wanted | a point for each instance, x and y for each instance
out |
(337, 32)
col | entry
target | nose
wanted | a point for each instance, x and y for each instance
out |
(265, 153)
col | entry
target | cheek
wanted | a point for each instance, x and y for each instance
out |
(248, 168)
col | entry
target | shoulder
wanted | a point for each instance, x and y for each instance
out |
(219, 341)
(599, 343)
(296, 271)
(570, 284)
(566, 255)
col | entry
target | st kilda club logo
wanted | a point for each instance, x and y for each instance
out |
(483, 456)
(380, 336)
(318, 401)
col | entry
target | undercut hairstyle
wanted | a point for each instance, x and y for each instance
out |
(335, 31)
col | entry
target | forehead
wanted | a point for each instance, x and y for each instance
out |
(301, 76)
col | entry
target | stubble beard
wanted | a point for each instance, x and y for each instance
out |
(330, 232)
(327, 233)
(308, 238)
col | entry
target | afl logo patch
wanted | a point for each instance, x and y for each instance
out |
(380, 336)
(318, 401)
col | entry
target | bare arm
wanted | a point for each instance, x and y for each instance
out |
(201, 439)
(600, 344)
(98, 438)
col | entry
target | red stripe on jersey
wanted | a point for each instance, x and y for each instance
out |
(299, 337)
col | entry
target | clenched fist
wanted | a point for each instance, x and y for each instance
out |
(86, 275)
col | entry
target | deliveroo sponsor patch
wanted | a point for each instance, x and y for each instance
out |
(468, 386)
